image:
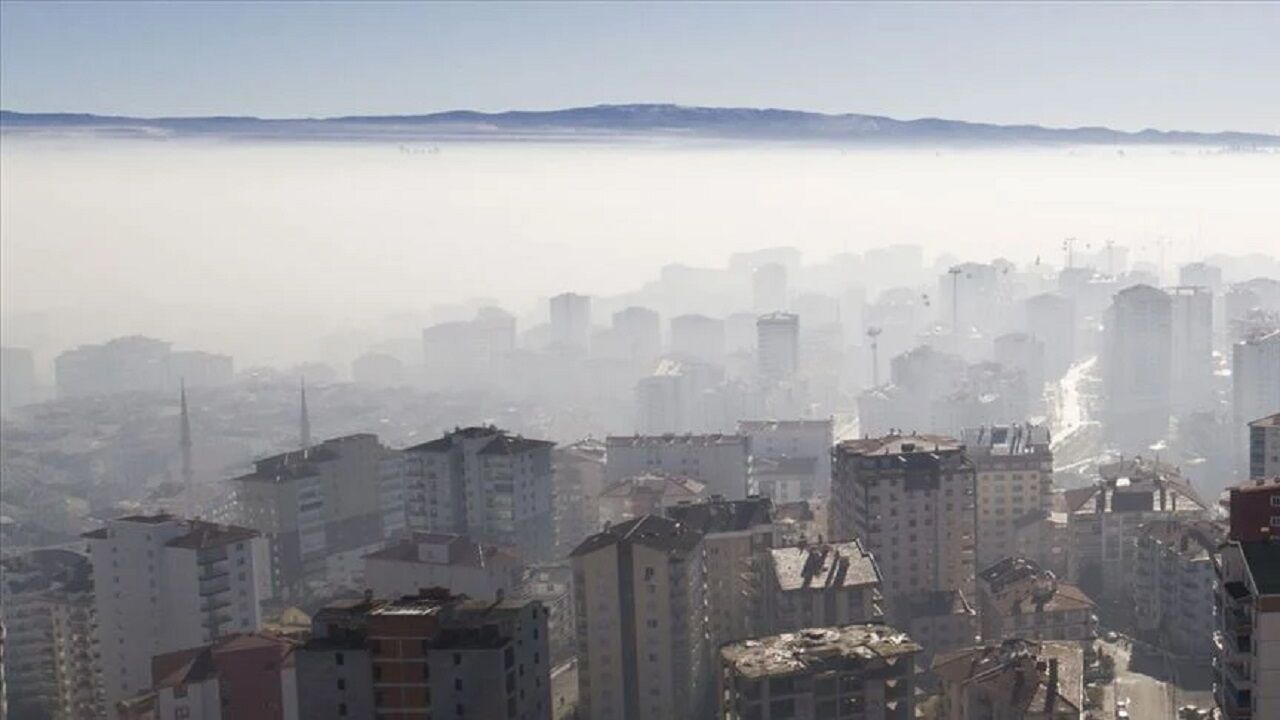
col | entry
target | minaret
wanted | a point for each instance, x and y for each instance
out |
(184, 440)
(306, 421)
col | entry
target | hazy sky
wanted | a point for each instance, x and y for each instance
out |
(1133, 65)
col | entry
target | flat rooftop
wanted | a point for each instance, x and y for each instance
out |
(817, 649)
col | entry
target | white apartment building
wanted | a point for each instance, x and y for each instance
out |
(1014, 467)
(821, 585)
(453, 562)
(1247, 686)
(162, 584)
(571, 321)
(737, 535)
(485, 483)
(721, 462)
(1255, 384)
(46, 607)
(1264, 447)
(1136, 368)
(640, 599)
(789, 440)
(854, 671)
(778, 345)
(1174, 584)
(314, 504)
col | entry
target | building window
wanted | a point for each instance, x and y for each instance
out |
(457, 684)
(342, 684)
(457, 658)
(342, 709)
(338, 659)
(1275, 501)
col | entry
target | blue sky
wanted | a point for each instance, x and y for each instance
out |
(1129, 66)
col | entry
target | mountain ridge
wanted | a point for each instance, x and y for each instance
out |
(619, 121)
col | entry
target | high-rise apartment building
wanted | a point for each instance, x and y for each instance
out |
(638, 334)
(910, 500)
(721, 462)
(579, 477)
(1137, 368)
(778, 345)
(769, 287)
(1191, 349)
(1255, 385)
(1014, 471)
(1174, 584)
(318, 505)
(737, 535)
(781, 440)
(482, 482)
(162, 584)
(1247, 686)
(855, 671)
(571, 321)
(1051, 319)
(17, 378)
(46, 607)
(1264, 447)
(698, 337)
(640, 596)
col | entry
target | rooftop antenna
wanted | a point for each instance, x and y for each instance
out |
(873, 333)
(184, 440)
(305, 420)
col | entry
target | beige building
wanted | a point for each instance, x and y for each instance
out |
(649, 493)
(640, 599)
(1015, 680)
(835, 673)
(909, 499)
(821, 585)
(738, 535)
(1014, 471)
(1019, 599)
(1264, 447)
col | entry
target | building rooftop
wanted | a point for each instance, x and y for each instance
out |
(500, 442)
(749, 426)
(824, 567)
(461, 550)
(900, 445)
(1025, 439)
(201, 534)
(1031, 677)
(764, 467)
(1018, 586)
(648, 530)
(938, 603)
(617, 441)
(718, 515)
(818, 649)
(1268, 421)
(654, 483)
(1270, 484)
(1191, 538)
(1263, 558)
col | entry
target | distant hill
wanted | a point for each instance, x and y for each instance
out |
(603, 122)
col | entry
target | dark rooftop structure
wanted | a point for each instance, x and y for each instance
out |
(717, 515)
(499, 442)
(651, 531)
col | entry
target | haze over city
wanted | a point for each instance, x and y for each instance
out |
(632, 361)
